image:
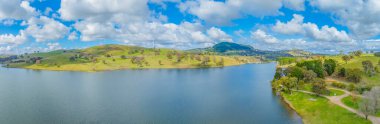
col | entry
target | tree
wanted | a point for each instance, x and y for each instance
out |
(297, 72)
(357, 53)
(285, 84)
(353, 75)
(309, 75)
(346, 58)
(368, 68)
(366, 107)
(123, 57)
(374, 97)
(342, 72)
(319, 86)
(329, 66)
(377, 54)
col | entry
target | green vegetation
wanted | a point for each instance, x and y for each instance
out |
(352, 101)
(318, 110)
(334, 92)
(113, 57)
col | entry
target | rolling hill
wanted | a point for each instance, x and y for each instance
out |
(229, 48)
(114, 57)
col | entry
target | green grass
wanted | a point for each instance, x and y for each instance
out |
(108, 57)
(354, 103)
(318, 110)
(350, 102)
(334, 92)
(356, 62)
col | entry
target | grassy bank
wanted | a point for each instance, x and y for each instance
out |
(318, 110)
(115, 57)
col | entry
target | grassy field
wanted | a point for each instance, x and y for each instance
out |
(114, 57)
(356, 62)
(318, 110)
(334, 92)
(352, 102)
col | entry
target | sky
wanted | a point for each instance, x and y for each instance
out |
(322, 26)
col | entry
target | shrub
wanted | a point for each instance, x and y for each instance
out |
(354, 75)
(339, 85)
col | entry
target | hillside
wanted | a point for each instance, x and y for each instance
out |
(114, 57)
(228, 48)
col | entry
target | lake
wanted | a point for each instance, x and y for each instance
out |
(229, 95)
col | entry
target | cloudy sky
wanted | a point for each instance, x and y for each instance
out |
(315, 25)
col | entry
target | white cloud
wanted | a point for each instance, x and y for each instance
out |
(266, 41)
(221, 13)
(296, 26)
(7, 39)
(44, 29)
(16, 9)
(73, 36)
(262, 36)
(362, 17)
(298, 5)
(53, 46)
(217, 34)
(121, 11)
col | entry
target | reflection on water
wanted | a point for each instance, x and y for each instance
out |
(240, 94)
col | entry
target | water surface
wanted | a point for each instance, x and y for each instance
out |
(230, 95)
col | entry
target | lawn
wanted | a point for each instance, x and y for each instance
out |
(350, 102)
(318, 110)
(334, 92)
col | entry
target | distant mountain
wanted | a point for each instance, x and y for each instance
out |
(228, 48)
(298, 53)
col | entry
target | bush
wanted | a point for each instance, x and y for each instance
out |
(339, 85)
(351, 87)
(354, 75)
(377, 54)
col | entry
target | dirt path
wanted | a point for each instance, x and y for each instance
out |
(338, 101)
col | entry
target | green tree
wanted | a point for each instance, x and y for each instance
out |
(319, 86)
(353, 75)
(297, 72)
(330, 66)
(309, 75)
(285, 84)
(346, 58)
(368, 68)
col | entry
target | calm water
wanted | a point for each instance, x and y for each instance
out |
(230, 95)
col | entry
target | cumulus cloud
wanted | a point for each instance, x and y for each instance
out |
(44, 29)
(298, 27)
(360, 16)
(262, 36)
(104, 10)
(265, 41)
(10, 39)
(53, 46)
(221, 13)
(16, 9)
(298, 5)
(217, 34)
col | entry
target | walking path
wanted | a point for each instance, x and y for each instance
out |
(338, 101)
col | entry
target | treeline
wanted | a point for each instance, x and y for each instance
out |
(307, 72)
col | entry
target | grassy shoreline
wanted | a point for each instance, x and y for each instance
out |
(318, 110)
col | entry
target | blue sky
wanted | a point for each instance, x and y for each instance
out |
(322, 26)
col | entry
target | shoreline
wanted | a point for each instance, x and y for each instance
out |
(120, 69)
(288, 104)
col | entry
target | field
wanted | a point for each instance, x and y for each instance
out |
(353, 102)
(356, 62)
(114, 57)
(318, 110)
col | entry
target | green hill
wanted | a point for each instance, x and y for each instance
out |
(113, 57)
(228, 48)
